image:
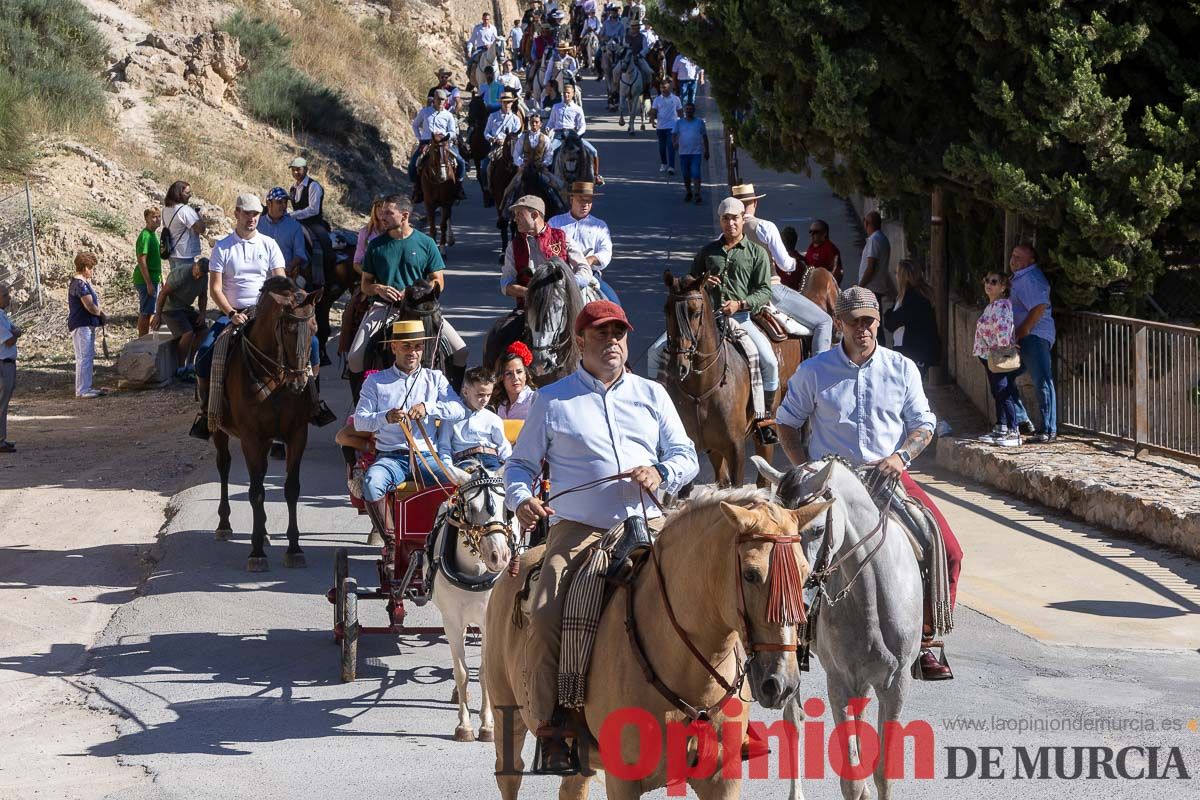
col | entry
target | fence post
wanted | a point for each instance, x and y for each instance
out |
(37, 273)
(1141, 389)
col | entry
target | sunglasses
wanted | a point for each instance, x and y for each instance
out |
(991, 281)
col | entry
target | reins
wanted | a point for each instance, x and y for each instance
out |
(271, 373)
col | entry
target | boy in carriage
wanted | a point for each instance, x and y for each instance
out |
(478, 435)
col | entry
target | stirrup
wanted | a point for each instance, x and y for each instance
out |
(765, 431)
(932, 644)
(566, 763)
(322, 415)
(199, 429)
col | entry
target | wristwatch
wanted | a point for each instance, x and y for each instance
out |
(904, 456)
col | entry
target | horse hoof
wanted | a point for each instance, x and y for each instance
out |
(486, 735)
(223, 534)
(464, 735)
(257, 564)
(294, 560)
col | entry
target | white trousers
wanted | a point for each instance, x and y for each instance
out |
(84, 339)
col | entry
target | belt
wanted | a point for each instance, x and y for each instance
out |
(476, 451)
(8, 361)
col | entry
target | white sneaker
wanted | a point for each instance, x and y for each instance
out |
(91, 394)
(662, 167)
(997, 433)
(1010, 439)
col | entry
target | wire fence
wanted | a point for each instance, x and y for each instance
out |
(18, 253)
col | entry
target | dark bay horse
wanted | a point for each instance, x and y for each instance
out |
(503, 170)
(338, 281)
(709, 380)
(439, 185)
(477, 146)
(270, 356)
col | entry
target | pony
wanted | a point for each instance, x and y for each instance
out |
(269, 356)
(439, 186)
(727, 570)
(869, 639)
(633, 101)
(709, 380)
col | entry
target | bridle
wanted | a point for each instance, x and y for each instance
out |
(272, 371)
(460, 503)
(691, 359)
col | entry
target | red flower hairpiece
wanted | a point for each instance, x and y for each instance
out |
(519, 350)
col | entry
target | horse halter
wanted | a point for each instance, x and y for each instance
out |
(689, 338)
(472, 533)
(276, 372)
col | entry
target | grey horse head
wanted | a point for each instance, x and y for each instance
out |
(552, 304)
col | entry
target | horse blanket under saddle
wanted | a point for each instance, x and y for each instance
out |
(216, 380)
(745, 346)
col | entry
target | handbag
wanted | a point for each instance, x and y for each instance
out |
(1005, 359)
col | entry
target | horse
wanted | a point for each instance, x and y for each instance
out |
(871, 638)
(709, 380)
(610, 57)
(660, 58)
(439, 185)
(632, 92)
(589, 48)
(476, 145)
(572, 162)
(467, 566)
(819, 285)
(716, 564)
(502, 170)
(551, 306)
(338, 281)
(490, 57)
(269, 355)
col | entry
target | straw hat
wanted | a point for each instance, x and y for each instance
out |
(745, 191)
(407, 330)
(583, 189)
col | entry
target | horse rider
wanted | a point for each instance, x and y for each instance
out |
(287, 233)
(508, 79)
(450, 102)
(543, 43)
(591, 24)
(636, 11)
(612, 28)
(490, 91)
(394, 262)
(535, 9)
(567, 115)
(639, 44)
(483, 36)
(791, 302)
(588, 232)
(404, 391)
(561, 62)
(536, 242)
(502, 126)
(443, 127)
(530, 153)
(867, 405)
(308, 197)
(239, 266)
(599, 422)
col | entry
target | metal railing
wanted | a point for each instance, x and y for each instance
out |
(18, 253)
(1130, 379)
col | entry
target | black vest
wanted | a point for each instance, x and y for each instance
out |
(302, 202)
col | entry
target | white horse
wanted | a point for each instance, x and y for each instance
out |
(490, 57)
(870, 638)
(609, 59)
(589, 46)
(633, 86)
(480, 551)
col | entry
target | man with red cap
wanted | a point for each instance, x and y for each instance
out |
(592, 425)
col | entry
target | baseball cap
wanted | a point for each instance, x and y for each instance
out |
(249, 202)
(731, 205)
(857, 301)
(531, 201)
(599, 312)
(298, 162)
(278, 193)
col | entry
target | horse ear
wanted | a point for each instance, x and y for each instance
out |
(435, 289)
(668, 279)
(281, 299)
(807, 513)
(313, 297)
(742, 519)
(765, 469)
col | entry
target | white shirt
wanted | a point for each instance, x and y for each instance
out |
(564, 63)
(8, 329)
(567, 117)
(508, 272)
(859, 413)
(511, 81)
(244, 265)
(392, 388)
(684, 69)
(482, 36)
(667, 107)
(179, 219)
(420, 123)
(315, 194)
(482, 428)
(501, 124)
(589, 234)
(518, 154)
(443, 122)
(649, 38)
(592, 24)
(585, 432)
(520, 408)
(765, 233)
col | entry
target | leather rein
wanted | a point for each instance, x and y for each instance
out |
(689, 355)
(273, 372)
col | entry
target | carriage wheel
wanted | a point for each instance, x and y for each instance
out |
(341, 571)
(349, 630)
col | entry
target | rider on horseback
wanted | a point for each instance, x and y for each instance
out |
(561, 62)
(307, 199)
(443, 127)
(568, 116)
(639, 44)
(501, 127)
(536, 242)
(587, 232)
(613, 27)
(530, 154)
(483, 36)
(450, 103)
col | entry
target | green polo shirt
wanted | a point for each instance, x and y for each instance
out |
(744, 269)
(400, 263)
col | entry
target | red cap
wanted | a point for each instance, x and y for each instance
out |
(599, 312)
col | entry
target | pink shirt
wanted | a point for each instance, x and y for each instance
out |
(360, 249)
(994, 330)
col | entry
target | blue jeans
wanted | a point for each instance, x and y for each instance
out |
(491, 463)
(1035, 356)
(687, 92)
(556, 142)
(666, 147)
(807, 313)
(392, 469)
(1008, 398)
(607, 290)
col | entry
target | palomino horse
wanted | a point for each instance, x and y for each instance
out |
(632, 101)
(467, 567)
(269, 355)
(727, 569)
(490, 57)
(869, 639)
(572, 162)
(439, 185)
(709, 379)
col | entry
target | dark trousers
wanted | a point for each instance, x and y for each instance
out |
(666, 147)
(1008, 398)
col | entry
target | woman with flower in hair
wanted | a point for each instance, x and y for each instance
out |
(514, 396)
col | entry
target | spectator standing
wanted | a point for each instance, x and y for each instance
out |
(1035, 334)
(182, 224)
(691, 142)
(83, 317)
(874, 268)
(687, 76)
(515, 35)
(9, 333)
(664, 112)
(181, 303)
(994, 337)
(821, 251)
(147, 275)
(912, 321)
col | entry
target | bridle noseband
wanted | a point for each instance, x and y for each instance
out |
(273, 372)
(688, 353)
(471, 533)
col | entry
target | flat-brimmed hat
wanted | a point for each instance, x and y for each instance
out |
(508, 96)
(298, 162)
(407, 330)
(599, 312)
(745, 191)
(249, 202)
(857, 301)
(731, 205)
(583, 189)
(531, 201)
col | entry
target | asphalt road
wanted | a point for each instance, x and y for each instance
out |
(226, 683)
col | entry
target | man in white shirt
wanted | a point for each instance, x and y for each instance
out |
(596, 423)
(687, 74)
(588, 233)
(308, 197)
(509, 79)
(664, 110)
(502, 126)
(483, 36)
(443, 127)
(568, 116)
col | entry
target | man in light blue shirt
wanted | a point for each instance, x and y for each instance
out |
(502, 126)
(288, 234)
(590, 426)
(1035, 333)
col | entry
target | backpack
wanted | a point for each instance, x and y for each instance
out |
(165, 245)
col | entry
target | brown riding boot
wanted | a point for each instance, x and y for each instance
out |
(377, 510)
(199, 429)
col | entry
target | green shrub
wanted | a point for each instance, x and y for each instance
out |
(15, 149)
(104, 221)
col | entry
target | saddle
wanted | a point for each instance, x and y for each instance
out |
(778, 326)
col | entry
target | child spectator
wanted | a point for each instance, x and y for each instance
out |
(994, 337)
(9, 332)
(479, 435)
(181, 303)
(147, 275)
(83, 317)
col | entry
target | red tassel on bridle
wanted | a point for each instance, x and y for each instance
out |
(785, 598)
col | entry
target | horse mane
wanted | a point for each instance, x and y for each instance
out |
(707, 499)
(277, 284)
(542, 289)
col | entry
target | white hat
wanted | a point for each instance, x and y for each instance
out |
(530, 201)
(298, 162)
(731, 205)
(249, 202)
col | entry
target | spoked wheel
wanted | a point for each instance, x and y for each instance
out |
(341, 571)
(349, 629)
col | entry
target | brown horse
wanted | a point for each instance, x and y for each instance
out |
(717, 583)
(269, 355)
(439, 185)
(709, 380)
(819, 285)
(503, 169)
